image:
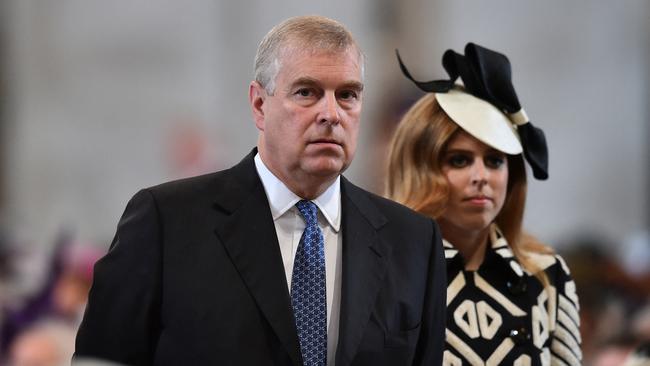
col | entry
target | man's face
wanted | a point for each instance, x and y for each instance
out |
(309, 126)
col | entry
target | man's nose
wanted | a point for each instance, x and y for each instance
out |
(330, 110)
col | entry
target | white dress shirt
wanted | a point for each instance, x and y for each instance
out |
(289, 226)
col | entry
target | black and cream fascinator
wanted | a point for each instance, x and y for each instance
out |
(485, 105)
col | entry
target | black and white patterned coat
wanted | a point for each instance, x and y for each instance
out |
(502, 315)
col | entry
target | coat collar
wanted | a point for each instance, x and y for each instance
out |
(498, 254)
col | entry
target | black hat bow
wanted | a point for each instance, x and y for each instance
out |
(487, 75)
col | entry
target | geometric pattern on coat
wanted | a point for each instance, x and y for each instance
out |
(501, 314)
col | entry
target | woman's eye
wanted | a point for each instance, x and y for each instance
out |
(495, 162)
(458, 161)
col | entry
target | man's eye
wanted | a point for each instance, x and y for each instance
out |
(348, 95)
(304, 92)
(458, 161)
(495, 162)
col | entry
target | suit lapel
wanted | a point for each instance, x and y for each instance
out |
(247, 232)
(364, 267)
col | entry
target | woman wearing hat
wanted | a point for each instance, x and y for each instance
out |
(458, 156)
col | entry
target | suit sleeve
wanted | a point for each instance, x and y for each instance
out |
(121, 321)
(432, 337)
(565, 345)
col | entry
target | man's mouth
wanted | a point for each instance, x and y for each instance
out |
(325, 142)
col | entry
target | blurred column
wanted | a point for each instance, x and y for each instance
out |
(4, 96)
(96, 87)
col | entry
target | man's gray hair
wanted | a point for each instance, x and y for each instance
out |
(312, 33)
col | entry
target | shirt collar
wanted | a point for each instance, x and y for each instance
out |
(281, 198)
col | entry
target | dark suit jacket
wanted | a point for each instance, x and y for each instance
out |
(194, 276)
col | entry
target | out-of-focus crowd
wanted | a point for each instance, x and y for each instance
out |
(44, 288)
(38, 319)
(614, 290)
(42, 299)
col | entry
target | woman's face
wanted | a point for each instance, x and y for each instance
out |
(478, 180)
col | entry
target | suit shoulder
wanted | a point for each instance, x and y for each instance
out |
(394, 211)
(396, 208)
(192, 185)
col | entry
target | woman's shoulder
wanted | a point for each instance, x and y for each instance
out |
(558, 274)
(543, 257)
(548, 261)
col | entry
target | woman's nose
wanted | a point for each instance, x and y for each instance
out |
(479, 173)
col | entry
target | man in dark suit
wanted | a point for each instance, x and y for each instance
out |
(278, 260)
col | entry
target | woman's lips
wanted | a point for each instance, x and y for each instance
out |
(478, 200)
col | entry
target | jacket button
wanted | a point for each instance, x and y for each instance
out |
(520, 335)
(517, 287)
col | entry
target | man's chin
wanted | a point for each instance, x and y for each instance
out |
(325, 167)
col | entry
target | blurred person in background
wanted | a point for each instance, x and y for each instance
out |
(70, 290)
(61, 295)
(45, 343)
(615, 301)
(622, 355)
(458, 157)
(640, 356)
(5, 272)
(278, 260)
(189, 150)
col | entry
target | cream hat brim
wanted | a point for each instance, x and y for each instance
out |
(480, 119)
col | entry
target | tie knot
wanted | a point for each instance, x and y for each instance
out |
(308, 211)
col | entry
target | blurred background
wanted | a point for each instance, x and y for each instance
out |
(101, 98)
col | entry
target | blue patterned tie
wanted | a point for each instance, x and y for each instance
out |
(308, 296)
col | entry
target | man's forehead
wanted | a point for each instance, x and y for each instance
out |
(291, 48)
(296, 52)
(355, 84)
(314, 65)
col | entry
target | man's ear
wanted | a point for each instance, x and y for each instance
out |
(256, 97)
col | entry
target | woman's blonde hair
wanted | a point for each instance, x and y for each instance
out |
(415, 177)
